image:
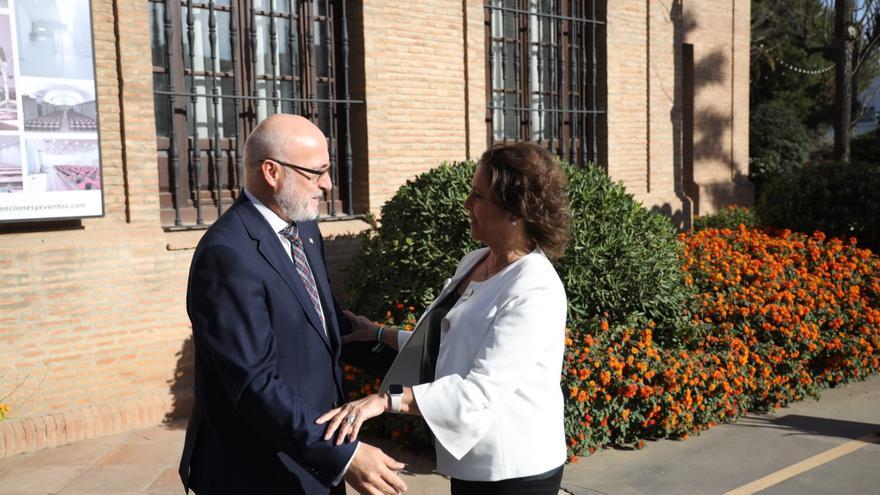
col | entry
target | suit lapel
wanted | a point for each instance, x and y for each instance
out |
(272, 250)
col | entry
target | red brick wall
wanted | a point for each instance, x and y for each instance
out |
(93, 331)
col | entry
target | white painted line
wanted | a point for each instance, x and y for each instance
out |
(805, 465)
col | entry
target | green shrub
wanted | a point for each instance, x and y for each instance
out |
(839, 199)
(866, 148)
(424, 233)
(728, 218)
(778, 141)
(622, 259)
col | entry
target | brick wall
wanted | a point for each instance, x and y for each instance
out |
(93, 315)
(93, 333)
(415, 88)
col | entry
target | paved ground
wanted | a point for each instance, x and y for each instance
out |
(827, 447)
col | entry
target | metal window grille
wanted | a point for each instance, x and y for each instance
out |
(219, 68)
(546, 75)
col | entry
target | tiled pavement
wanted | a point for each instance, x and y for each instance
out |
(139, 462)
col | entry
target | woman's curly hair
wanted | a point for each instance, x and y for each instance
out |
(528, 182)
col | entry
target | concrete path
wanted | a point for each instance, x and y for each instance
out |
(827, 447)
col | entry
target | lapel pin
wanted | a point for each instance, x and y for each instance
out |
(311, 241)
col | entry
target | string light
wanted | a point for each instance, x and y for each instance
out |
(805, 71)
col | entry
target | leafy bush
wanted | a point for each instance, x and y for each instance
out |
(778, 141)
(423, 235)
(728, 218)
(839, 199)
(866, 148)
(784, 317)
(622, 258)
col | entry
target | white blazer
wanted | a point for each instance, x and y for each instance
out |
(495, 406)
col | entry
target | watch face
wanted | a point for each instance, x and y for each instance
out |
(395, 389)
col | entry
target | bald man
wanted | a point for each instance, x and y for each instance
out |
(266, 335)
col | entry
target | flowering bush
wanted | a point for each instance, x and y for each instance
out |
(4, 409)
(778, 318)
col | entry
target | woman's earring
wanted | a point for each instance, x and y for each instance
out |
(513, 223)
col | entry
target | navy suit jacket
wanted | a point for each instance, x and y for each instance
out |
(264, 368)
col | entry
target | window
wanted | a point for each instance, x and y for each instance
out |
(546, 75)
(219, 68)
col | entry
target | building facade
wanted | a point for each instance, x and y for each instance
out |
(94, 338)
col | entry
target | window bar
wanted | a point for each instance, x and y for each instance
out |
(528, 82)
(534, 16)
(489, 46)
(556, 51)
(347, 108)
(255, 104)
(233, 40)
(331, 107)
(594, 103)
(292, 50)
(573, 92)
(196, 154)
(517, 66)
(215, 97)
(504, 81)
(273, 51)
(582, 73)
(172, 135)
(310, 47)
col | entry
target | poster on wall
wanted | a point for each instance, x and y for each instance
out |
(50, 163)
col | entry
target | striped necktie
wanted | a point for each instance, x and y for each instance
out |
(302, 267)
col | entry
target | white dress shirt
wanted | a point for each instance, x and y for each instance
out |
(496, 405)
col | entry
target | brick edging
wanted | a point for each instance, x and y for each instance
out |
(18, 436)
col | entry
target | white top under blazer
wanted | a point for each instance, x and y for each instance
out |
(495, 406)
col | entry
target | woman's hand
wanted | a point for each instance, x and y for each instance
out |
(347, 420)
(363, 330)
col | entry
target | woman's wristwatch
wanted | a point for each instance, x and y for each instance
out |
(395, 394)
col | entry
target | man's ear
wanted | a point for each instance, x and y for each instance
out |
(271, 173)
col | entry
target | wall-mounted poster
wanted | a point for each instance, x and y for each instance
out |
(50, 163)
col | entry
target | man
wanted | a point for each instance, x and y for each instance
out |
(266, 335)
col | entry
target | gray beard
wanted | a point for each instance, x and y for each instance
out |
(296, 207)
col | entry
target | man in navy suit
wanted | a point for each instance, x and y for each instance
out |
(266, 333)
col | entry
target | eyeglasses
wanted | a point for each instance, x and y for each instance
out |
(311, 173)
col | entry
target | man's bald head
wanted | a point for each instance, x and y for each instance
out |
(279, 135)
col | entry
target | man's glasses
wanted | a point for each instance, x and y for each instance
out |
(312, 173)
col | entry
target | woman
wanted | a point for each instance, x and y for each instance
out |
(491, 397)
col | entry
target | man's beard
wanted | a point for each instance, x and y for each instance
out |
(297, 207)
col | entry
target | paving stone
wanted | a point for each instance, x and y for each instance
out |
(167, 483)
(155, 454)
(78, 454)
(27, 479)
(118, 480)
(158, 434)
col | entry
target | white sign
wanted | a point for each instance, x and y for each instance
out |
(50, 163)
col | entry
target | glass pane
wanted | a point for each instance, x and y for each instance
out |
(160, 105)
(263, 56)
(157, 33)
(324, 109)
(322, 49)
(287, 92)
(279, 6)
(230, 126)
(283, 50)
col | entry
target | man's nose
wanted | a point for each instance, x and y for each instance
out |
(324, 183)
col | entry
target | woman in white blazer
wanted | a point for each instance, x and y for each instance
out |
(483, 364)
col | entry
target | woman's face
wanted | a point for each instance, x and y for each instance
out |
(490, 224)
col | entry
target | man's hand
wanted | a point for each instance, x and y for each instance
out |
(363, 330)
(374, 473)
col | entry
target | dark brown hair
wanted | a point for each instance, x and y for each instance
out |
(528, 181)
